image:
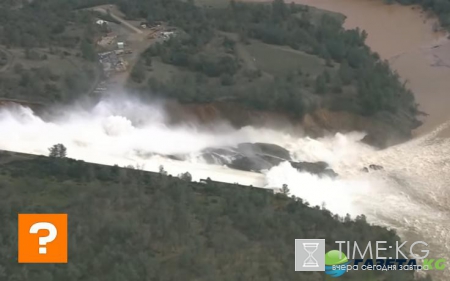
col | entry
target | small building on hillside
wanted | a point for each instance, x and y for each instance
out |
(120, 45)
(167, 34)
(101, 22)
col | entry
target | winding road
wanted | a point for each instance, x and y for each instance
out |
(122, 21)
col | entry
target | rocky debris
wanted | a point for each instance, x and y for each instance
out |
(318, 168)
(247, 157)
(219, 156)
(372, 167)
(256, 157)
(264, 149)
(383, 128)
(375, 167)
(253, 164)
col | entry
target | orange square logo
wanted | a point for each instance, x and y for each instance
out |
(42, 238)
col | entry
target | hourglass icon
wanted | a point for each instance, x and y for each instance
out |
(310, 248)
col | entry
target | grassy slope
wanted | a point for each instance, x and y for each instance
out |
(278, 60)
(271, 59)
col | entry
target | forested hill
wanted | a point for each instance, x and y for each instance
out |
(270, 56)
(47, 51)
(266, 56)
(329, 66)
(130, 225)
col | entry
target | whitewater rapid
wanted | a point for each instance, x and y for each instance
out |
(411, 194)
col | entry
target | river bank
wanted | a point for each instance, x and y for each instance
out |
(417, 182)
(405, 36)
(382, 130)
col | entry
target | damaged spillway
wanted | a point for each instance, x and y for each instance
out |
(256, 157)
(405, 187)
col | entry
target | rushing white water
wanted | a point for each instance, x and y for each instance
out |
(411, 194)
(127, 132)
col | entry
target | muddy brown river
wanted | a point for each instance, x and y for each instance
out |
(419, 170)
(405, 36)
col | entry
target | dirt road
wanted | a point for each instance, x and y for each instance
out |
(122, 21)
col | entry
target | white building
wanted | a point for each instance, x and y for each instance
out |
(167, 34)
(120, 45)
(101, 22)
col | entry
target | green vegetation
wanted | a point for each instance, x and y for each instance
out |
(440, 7)
(131, 225)
(270, 57)
(281, 61)
(58, 150)
(126, 224)
(50, 50)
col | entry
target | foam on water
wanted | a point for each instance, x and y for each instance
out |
(411, 194)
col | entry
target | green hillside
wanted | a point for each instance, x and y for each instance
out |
(47, 51)
(130, 225)
(268, 56)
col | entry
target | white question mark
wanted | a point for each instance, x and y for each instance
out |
(45, 239)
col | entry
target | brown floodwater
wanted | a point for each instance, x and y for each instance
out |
(405, 36)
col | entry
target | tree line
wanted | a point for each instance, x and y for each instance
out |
(378, 88)
(439, 7)
(131, 225)
(40, 35)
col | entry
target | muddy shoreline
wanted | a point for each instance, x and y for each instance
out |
(405, 36)
(322, 122)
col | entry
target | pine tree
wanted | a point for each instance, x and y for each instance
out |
(58, 151)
